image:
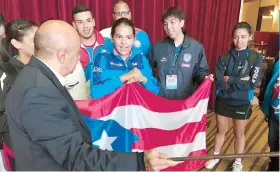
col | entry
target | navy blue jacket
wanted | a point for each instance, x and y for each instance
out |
(237, 92)
(190, 67)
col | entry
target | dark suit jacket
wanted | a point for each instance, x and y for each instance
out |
(47, 131)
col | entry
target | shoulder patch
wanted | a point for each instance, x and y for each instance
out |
(103, 51)
(137, 43)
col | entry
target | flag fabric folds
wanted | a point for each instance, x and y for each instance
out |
(134, 119)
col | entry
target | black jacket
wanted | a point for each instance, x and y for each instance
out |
(8, 73)
(237, 92)
(190, 67)
(48, 132)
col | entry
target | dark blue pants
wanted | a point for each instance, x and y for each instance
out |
(273, 141)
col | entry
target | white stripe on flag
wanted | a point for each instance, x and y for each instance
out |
(182, 150)
(135, 116)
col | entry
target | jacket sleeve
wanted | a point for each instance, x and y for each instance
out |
(152, 83)
(252, 83)
(153, 63)
(88, 71)
(3, 77)
(3, 117)
(145, 41)
(220, 71)
(101, 85)
(201, 67)
(47, 121)
(107, 46)
(275, 98)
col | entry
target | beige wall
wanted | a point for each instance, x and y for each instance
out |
(265, 3)
(275, 22)
(266, 24)
(250, 12)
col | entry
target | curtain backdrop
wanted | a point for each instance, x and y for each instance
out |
(209, 21)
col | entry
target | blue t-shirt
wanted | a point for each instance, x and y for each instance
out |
(90, 51)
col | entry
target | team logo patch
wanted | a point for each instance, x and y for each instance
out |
(163, 59)
(103, 51)
(187, 57)
(97, 69)
(116, 64)
(137, 44)
(185, 65)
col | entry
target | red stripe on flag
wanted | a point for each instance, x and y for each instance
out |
(151, 138)
(138, 95)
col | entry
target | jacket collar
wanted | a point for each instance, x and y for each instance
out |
(18, 64)
(133, 53)
(99, 39)
(242, 53)
(186, 42)
(48, 73)
(61, 78)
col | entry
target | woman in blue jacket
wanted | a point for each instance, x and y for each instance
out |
(124, 64)
(271, 110)
(237, 75)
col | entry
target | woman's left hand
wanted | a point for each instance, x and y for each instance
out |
(226, 78)
(142, 79)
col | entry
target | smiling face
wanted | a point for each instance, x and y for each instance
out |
(84, 24)
(123, 39)
(173, 26)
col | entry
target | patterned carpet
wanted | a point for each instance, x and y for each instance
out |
(256, 141)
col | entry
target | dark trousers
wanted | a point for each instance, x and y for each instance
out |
(273, 141)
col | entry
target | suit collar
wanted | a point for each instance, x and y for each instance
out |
(61, 79)
(47, 72)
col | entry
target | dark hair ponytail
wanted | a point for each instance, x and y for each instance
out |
(17, 29)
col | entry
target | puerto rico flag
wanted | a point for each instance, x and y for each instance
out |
(133, 119)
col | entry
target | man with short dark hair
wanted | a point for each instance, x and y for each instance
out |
(91, 41)
(84, 23)
(179, 58)
(142, 41)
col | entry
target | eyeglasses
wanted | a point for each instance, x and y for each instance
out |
(120, 13)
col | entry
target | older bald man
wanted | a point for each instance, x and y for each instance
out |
(46, 128)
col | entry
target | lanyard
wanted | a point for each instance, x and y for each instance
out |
(175, 57)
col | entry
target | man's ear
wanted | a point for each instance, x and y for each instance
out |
(16, 44)
(61, 55)
(73, 24)
(93, 21)
(113, 15)
(182, 23)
